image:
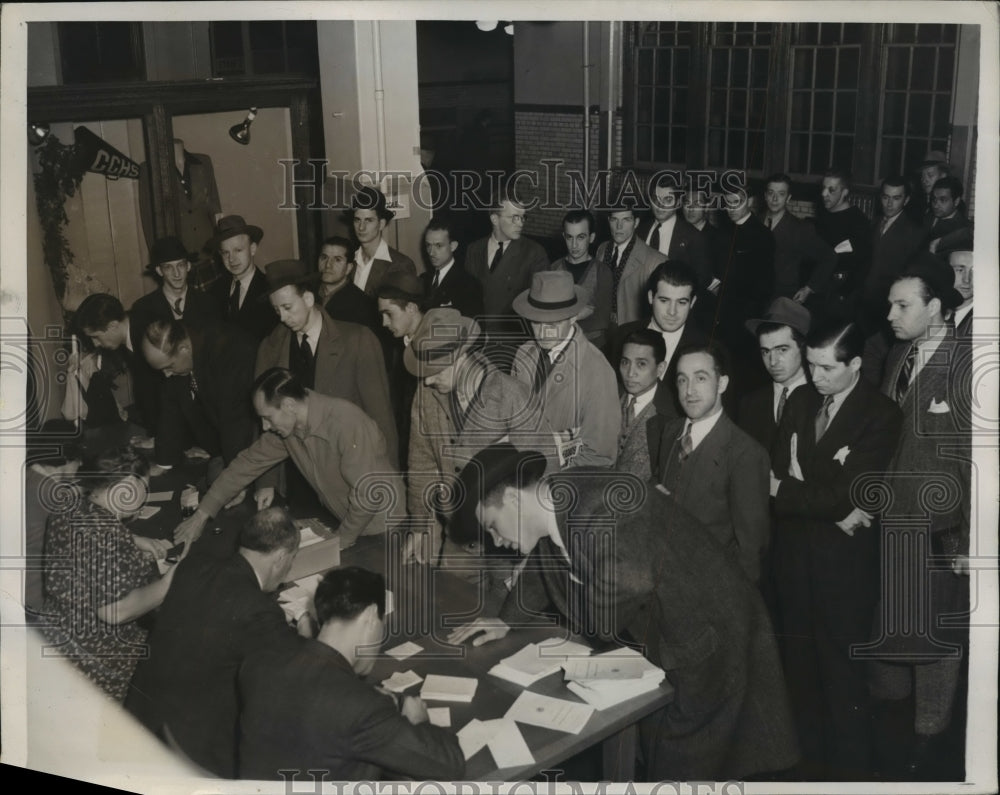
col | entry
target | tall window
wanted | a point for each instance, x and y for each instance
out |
(661, 93)
(918, 77)
(738, 94)
(101, 52)
(826, 58)
(264, 48)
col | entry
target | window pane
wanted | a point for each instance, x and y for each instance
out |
(946, 62)
(928, 34)
(680, 106)
(661, 113)
(661, 143)
(847, 69)
(266, 36)
(853, 33)
(892, 156)
(922, 74)
(649, 35)
(678, 145)
(740, 68)
(736, 154)
(904, 34)
(825, 61)
(846, 111)
(680, 67)
(642, 151)
(758, 108)
(227, 39)
(950, 33)
(897, 68)
(758, 72)
(843, 152)
(717, 114)
(803, 71)
(738, 107)
(743, 39)
(823, 111)
(829, 33)
(755, 151)
(644, 109)
(645, 67)
(895, 109)
(798, 153)
(800, 110)
(720, 67)
(268, 61)
(663, 67)
(809, 33)
(820, 159)
(918, 119)
(942, 116)
(715, 149)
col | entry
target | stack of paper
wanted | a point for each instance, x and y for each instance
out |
(536, 661)
(311, 531)
(550, 713)
(613, 677)
(448, 688)
(297, 598)
(504, 739)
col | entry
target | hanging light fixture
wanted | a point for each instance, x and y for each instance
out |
(487, 26)
(37, 133)
(509, 28)
(241, 132)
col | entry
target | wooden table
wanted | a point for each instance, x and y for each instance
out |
(428, 604)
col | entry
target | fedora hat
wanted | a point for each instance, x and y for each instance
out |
(552, 297)
(402, 286)
(168, 249)
(786, 312)
(283, 272)
(369, 198)
(233, 225)
(442, 333)
(938, 276)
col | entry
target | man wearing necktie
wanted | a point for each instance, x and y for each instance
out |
(669, 233)
(826, 553)
(241, 298)
(447, 283)
(642, 365)
(710, 466)
(631, 261)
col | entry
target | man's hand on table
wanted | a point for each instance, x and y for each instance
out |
(414, 710)
(264, 497)
(487, 628)
(190, 529)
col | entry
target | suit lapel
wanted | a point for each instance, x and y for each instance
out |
(330, 341)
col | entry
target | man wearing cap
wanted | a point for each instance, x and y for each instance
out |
(643, 572)
(463, 403)
(170, 264)
(374, 259)
(927, 374)
(342, 360)
(242, 298)
(781, 337)
(631, 263)
(572, 379)
(946, 228)
(667, 231)
(826, 558)
(845, 228)
(711, 467)
(447, 283)
(340, 296)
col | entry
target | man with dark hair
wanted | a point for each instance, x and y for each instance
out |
(214, 616)
(588, 272)
(781, 336)
(648, 573)
(803, 262)
(895, 239)
(933, 167)
(845, 228)
(170, 265)
(241, 297)
(713, 469)
(961, 262)
(946, 228)
(205, 398)
(666, 230)
(631, 263)
(333, 444)
(826, 551)
(374, 259)
(306, 707)
(643, 363)
(342, 360)
(339, 295)
(447, 283)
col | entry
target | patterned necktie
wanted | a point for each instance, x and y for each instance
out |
(654, 238)
(906, 373)
(435, 281)
(781, 404)
(686, 445)
(177, 308)
(496, 257)
(823, 417)
(234, 300)
(194, 386)
(629, 414)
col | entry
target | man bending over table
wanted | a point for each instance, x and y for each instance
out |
(629, 565)
(334, 444)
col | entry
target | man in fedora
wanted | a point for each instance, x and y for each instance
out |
(342, 360)
(781, 338)
(374, 258)
(170, 265)
(566, 372)
(241, 298)
(463, 403)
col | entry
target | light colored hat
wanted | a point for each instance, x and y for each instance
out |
(552, 297)
(442, 333)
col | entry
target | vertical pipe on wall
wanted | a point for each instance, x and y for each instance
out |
(586, 103)
(379, 95)
(611, 96)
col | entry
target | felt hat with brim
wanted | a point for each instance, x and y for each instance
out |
(486, 470)
(284, 272)
(436, 343)
(552, 297)
(168, 249)
(934, 158)
(786, 312)
(938, 276)
(402, 286)
(233, 225)
(369, 198)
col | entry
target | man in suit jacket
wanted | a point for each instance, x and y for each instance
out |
(895, 239)
(170, 263)
(337, 293)
(338, 359)
(564, 371)
(631, 262)
(206, 397)
(213, 617)
(946, 228)
(447, 283)
(781, 337)
(712, 468)
(649, 575)
(803, 262)
(961, 262)
(667, 231)
(927, 374)
(374, 259)
(242, 298)
(306, 706)
(643, 363)
(826, 553)
(696, 207)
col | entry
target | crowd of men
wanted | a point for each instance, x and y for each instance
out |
(749, 371)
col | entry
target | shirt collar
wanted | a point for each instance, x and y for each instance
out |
(246, 278)
(840, 397)
(701, 428)
(444, 270)
(890, 221)
(743, 220)
(792, 385)
(382, 253)
(643, 400)
(314, 328)
(554, 352)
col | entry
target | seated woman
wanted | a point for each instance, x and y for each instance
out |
(99, 578)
